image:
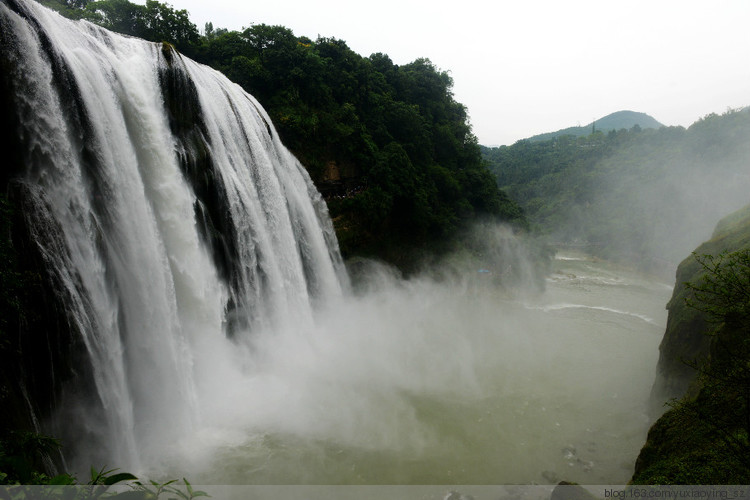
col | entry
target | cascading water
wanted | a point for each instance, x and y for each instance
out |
(167, 210)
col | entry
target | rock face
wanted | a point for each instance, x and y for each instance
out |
(685, 337)
(685, 445)
(684, 340)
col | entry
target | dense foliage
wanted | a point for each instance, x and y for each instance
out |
(21, 479)
(387, 145)
(646, 196)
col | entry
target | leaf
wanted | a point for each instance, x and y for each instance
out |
(62, 480)
(97, 477)
(116, 478)
(176, 491)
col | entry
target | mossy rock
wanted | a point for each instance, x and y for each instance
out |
(703, 438)
(685, 338)
(681, 449)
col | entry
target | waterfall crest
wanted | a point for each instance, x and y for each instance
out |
(174, 222)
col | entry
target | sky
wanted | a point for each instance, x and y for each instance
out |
(532, 66)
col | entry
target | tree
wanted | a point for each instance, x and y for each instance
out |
(724, 292)
(703, 438)
(154, 21)
(121, 16)
(162, 23)
(723, 404)
(268, 40)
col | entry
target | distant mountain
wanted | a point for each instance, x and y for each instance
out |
(615, 121)
(638, 195)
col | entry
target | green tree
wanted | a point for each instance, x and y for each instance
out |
(703, 438)
(154, 21)
(121, 16)
(723, 296)
(162, 23)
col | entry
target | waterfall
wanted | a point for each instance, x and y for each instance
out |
(175, 224)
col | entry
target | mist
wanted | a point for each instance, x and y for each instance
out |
(453, 376)
(653, 200)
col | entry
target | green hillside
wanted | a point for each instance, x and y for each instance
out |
(626, 195)
(615, 121)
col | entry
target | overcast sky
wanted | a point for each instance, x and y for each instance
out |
(532, 66)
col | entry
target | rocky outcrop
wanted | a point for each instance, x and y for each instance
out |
(702, 439)
(685, 339)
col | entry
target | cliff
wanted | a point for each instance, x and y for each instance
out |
(685, 338)
(703, 438)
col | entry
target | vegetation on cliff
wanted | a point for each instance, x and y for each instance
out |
(703, 438)
(387, 145)
(685, 338)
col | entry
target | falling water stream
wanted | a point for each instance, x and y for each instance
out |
(198, 265)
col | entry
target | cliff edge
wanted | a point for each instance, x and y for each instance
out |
(704, 368)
